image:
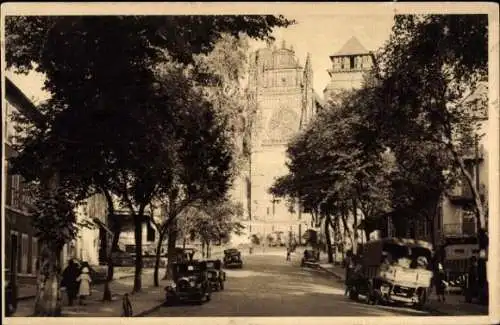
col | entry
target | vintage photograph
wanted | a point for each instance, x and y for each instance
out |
(247, 165)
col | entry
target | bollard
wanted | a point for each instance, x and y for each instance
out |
(126, 306)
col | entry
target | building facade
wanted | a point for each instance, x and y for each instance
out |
(282, 93)
(458, 216)
(21, 244)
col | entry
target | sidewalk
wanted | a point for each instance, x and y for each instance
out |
(28, 291)
(454, 305)
(149, 299)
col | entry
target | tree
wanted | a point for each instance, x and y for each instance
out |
(100, 86)
(220, 74)
(203, 171)
(213, 223)
(51, 214)
(332, 171)
(429, 72)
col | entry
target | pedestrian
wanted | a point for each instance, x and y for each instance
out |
(349, 264)
(473, 279)
(288, 252)
(126, 306)
(439, 281)
(348, 267)
(85, 282)
(70, 282)
(10, 299)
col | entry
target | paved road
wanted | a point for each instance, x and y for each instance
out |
(269, 286)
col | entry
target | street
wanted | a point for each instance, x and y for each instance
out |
(269, 286)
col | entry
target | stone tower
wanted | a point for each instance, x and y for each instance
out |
(348, 66)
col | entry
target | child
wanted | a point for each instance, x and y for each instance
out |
(85, 282)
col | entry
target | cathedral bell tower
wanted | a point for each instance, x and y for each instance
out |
(348, 66)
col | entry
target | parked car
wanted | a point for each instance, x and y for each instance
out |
(216, 276)
(190, 283)
(310, 258)
(232, 258)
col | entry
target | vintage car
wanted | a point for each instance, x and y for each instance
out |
(310, 258)
(183, 255)
(216, 276)
(393, 270)
(190, 283)
(232, 258)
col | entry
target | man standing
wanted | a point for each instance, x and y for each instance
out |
(69, 281)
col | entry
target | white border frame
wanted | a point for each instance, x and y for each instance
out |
(313, 9)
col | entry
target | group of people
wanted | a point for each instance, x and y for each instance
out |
(353, 269)
(77, 281)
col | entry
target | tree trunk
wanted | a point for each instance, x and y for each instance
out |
(334, 226)
(355, 225)
(107, 296)
(161, 237)
(432, 222)
(138, 252)
(48, 301)
(480, 215)
(347, 230)
(171, 240)
(328, 239)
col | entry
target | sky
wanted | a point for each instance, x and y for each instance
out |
(323, 35)
(319, 35)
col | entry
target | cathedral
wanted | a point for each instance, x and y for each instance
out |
(284, 97)
(283, 94)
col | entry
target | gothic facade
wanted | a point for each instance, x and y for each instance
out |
(283, 95)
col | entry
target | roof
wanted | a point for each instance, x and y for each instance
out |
(403, 241)
(18, 99)
(352, 47)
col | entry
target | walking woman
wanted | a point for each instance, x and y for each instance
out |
(85, 282)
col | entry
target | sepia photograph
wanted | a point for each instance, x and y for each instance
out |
(264, 160)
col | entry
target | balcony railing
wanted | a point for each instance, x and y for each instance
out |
(464, 192)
